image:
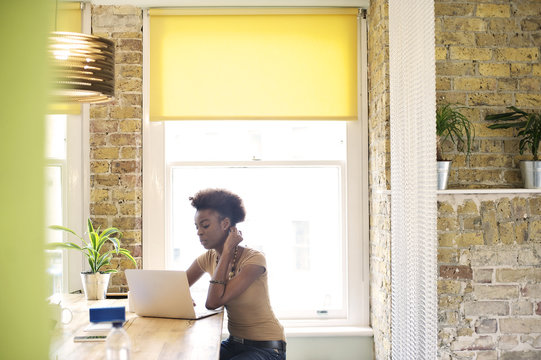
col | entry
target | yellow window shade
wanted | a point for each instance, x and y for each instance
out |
(254, 64)
(68, 18)
(64, 108)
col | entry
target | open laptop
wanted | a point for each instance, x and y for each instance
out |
(163, 293)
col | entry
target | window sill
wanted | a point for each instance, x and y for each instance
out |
(322, 331)
(329, 331)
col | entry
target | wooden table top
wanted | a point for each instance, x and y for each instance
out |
(151, 338)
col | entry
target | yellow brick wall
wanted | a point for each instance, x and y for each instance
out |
(489, 303)
(487, 58)
(379, 175)
(116, 137)
(489, 284)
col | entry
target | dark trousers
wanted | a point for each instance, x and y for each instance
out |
(231, 350)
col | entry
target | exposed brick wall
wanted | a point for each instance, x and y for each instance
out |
(489, 255)
(488, 57)
(115, 137)
(489, 281)
(379, 159)
(378, 99)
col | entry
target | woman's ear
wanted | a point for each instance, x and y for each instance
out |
(226, 223)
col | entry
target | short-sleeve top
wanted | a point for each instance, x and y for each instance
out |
(250, 315)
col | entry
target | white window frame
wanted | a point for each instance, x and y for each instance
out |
(62, 164)
(77, 197)
(76, 183)
(155, 203)
(73, 183)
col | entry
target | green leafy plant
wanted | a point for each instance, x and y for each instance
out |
(453, 125)
(527, 124)
(91, 248)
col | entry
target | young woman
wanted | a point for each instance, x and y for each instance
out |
(239, 279)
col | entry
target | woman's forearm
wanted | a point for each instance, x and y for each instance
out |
(218, 282)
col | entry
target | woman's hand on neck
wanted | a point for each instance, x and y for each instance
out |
(232, 240)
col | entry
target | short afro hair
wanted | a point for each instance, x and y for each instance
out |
(223, 201)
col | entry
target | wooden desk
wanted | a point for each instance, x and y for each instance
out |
(151, 338)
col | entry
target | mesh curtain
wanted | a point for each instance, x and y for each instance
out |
(413, 179)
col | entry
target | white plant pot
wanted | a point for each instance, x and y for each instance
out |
(95, 285)
(443, 174)
(531, 174)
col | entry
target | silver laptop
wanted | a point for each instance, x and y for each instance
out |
(163, 293)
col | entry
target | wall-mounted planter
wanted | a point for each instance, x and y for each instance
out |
(443, 174)
(531, 174)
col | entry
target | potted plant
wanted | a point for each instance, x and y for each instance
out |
(453, 125)
(95, 281)
(528, 127)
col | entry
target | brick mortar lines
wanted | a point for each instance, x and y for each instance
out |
(463, 334)
(481, 64)
(380, 308)
(116, 138)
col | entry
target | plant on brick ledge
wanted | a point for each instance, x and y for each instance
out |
(527, 124)
(453, 125)
(96, 281)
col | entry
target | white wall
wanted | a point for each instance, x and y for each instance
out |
(330, 348)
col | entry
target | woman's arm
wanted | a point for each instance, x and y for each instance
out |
(221, 290)
(220, 294)
(194, 273)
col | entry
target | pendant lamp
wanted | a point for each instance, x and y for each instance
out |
(83, 67)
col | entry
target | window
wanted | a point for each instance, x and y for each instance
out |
(66, 170)
(294, 195)
(302, 205)
(55, 170)
(64, 184)
(304, 184)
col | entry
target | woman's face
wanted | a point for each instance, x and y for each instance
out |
(211, 228)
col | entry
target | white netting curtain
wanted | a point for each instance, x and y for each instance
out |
(413, 179)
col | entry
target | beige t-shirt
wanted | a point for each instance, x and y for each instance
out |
(250, 315)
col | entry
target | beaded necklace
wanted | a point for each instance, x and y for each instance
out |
(233, 268)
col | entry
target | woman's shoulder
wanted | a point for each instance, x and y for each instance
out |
(252, 256)
(251, 252)
(206, 259)
(208, 254)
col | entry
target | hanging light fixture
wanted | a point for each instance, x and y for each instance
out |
(83, 67)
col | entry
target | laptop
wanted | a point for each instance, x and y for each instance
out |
(163, 293)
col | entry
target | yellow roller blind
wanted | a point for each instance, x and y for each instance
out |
(68, 18)
(288, 64)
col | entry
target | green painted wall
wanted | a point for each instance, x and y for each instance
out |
(23, 71)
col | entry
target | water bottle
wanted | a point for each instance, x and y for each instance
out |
(118, 343)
